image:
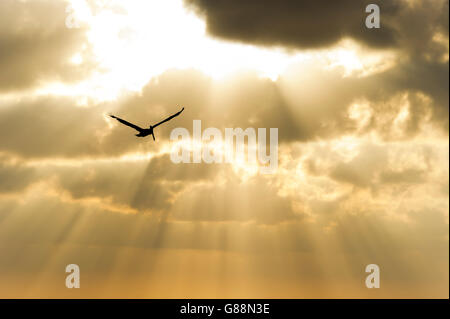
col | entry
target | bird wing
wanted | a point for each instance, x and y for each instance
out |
(137, 128)
(169, 118)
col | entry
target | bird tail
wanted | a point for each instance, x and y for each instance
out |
(153, 136)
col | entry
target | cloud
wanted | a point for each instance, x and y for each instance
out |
(413, 76)
(51, 126)
(37, 47)
(144, 186)
(201, 192)
(296, 24)
(318, 24)
(379, 168)
(416, 30)
(297, 104)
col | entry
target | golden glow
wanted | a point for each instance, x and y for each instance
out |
(135, 40)
(362, 174)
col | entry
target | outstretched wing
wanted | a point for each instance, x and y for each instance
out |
(137, 128)
(169, 118)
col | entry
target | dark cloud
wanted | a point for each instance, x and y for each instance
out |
(313, 24)
(296, 24)
(430, 78)
(36, 46)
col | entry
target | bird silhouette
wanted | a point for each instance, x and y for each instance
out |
(143, 132)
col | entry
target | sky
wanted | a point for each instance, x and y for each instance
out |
(363, 149)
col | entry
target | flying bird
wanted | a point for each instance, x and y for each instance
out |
(143, 132)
